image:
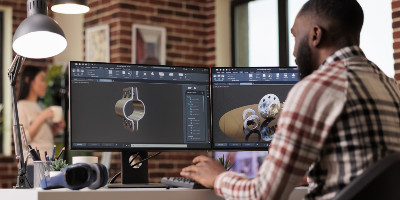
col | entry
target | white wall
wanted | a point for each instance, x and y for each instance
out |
(7, 59)
(72, 26)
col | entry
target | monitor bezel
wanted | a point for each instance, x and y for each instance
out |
(134, 149)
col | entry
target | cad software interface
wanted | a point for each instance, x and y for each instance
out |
(118, 106)
(246, 103)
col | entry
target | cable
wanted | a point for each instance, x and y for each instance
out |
(134, 165)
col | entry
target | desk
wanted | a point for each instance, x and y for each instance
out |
(120, 194)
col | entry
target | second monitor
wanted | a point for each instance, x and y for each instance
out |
(246, 103)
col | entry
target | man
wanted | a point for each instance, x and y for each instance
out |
(343, 115)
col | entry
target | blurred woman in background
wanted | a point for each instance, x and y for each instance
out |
(36, 121)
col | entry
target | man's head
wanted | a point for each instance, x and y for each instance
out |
(322, 27)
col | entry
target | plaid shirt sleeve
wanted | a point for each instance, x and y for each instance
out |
(311, 109)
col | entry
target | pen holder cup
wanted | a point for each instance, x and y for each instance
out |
(41, 170)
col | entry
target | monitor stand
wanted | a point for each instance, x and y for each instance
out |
(135, 177)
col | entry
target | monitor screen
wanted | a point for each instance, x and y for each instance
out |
(246, 103)
(117, 107)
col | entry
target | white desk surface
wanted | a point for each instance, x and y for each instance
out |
(120, 194)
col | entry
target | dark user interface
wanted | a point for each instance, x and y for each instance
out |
(123, 106)
(246, 103)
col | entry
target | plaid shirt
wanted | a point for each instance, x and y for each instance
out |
(335, 123)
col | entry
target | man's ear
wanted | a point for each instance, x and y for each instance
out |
(316, 36)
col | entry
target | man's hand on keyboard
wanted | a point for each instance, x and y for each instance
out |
(204, 171)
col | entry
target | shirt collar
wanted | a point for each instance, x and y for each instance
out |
(341, 54)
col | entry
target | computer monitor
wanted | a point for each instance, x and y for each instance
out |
(130, 108)
(246, 103)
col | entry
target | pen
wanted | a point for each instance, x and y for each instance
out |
(54, 152)
(61, 152)
(38, 152)
(34, 154)
(46, 156)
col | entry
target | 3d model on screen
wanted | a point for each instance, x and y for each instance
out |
(269, 106)
(251, 124)
(255, 126)
(130, 96)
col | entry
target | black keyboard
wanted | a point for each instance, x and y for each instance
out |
(181, 182)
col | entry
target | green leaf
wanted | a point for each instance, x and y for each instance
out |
(225, 163)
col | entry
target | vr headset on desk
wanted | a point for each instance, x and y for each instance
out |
(78, 176)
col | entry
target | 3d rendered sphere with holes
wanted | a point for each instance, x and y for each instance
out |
(269, 106)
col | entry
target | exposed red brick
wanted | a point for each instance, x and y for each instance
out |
(174, 55)
(395, 4)
(174, 38)
(396, 45)
(157, 2)
(396, 14)
(106, 18)
(397, 66)
(396, 24)
(191, 40)
(157, 174)
(182, 14)
(192, 57)
(200, 33)
(193, 7)
(396, 34)
(164, 11)
(138, 17)
(396, 55)
(130, 6)
(174, 4)
(93, 4)
(200, 49)
(181, 47)
(191, 23)
(174, 21)
(181, 30)
(397, 77)
(166, 165)
(173, 174)
(199, 16)
(156, 19)
(7, 159)
(211, 8)
(145, 8)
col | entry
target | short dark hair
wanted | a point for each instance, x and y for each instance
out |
(28, 74)
(346, 16)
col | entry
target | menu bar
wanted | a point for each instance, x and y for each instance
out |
(106, 72)
(254, 75)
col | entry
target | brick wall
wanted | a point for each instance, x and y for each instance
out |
(8, 164)
(396, 37)
(190, 41)
(189, 24)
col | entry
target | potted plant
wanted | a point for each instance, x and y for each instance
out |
(56, 166)
(225, 162)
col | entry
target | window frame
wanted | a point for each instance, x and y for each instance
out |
(283, 31)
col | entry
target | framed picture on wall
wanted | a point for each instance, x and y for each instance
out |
(97, 44)
(148, 44)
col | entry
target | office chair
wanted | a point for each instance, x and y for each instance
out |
(380, 181)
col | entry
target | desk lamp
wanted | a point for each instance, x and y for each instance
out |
(70, 6)
(38, 36)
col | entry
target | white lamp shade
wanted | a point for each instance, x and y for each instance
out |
(40, 44)
(39, 36)
(70, 6)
